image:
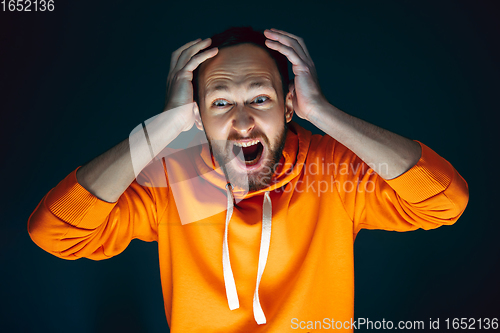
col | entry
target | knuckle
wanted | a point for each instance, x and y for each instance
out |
(183, 75)
(197, 58)
(306, 69)
(177, 52)
(183, 52)
(175, 77)
(188, 53)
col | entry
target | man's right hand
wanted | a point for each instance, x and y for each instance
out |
(179, 81)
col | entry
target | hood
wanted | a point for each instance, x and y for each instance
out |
(201, 190)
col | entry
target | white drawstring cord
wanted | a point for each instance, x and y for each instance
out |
(265, 241)
(231, 293)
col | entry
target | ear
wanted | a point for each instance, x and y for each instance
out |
(197, 117)
(289, 103)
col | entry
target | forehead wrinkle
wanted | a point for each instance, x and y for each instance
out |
(255, 83)
(236, 65)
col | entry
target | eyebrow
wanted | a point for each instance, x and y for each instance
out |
(251, 85)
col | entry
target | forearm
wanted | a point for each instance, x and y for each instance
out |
(110, 174)
(387, 153)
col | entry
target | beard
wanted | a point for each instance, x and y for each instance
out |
(222, 151)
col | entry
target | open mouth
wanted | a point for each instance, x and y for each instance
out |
(252, 151)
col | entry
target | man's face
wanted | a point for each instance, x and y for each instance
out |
(243, 108)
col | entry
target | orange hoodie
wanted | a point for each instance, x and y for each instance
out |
(273, 260)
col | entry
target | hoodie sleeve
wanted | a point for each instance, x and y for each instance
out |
(430, 194)
(72, 223)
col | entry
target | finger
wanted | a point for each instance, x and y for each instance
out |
(285, 40)
(188, 53)
(195, 61)
(287, 52)
(299, 40)
(176, 53)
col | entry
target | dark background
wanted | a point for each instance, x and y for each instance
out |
(76, 81)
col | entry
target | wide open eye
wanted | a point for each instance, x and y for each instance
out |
(261, 99)
(220, 103)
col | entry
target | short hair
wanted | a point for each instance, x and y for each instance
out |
(242, 35)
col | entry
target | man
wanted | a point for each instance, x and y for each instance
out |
(286, 205)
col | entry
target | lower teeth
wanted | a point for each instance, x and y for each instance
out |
(251, 162)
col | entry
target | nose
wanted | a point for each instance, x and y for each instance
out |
(243, 121)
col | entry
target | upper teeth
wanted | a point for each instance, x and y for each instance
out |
(246, 144)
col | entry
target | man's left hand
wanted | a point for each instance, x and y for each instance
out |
(306, 94)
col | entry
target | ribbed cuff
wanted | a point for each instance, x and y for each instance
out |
(73, 204)
(431, 175)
